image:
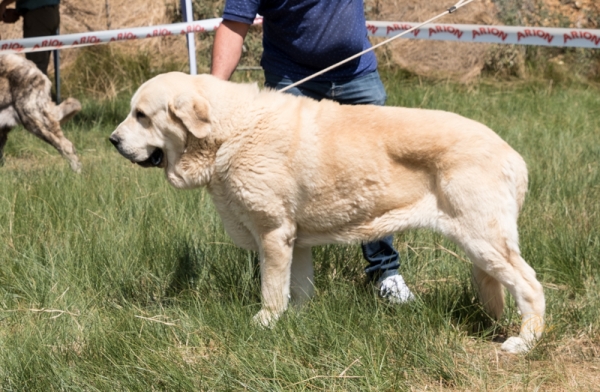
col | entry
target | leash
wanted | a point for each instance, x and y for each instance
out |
(450, 10)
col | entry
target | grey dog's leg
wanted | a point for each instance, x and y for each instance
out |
(3, 138)
(39, 116)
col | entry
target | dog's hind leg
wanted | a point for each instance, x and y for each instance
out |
(491, 292)
(42, 122)
(3, 138)
(302, 280)
(497, 259)
(531, 303)
(480, 207)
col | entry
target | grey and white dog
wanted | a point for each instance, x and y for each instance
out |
(25, 99)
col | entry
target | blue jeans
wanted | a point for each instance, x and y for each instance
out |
(382, 257)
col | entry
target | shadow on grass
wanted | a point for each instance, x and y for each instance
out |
(218, 271)
(460, 305)
(188, 267)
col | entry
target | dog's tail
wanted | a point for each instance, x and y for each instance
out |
(67, 109)
(516, 172)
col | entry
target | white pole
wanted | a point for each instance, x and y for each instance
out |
(188, 16)
(56, 58)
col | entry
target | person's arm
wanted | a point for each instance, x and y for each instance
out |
(7, 18)
(227, 49)
(5, 3)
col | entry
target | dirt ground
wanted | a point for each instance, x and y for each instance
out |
(583, 14)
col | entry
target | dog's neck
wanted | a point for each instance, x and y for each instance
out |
(196, 166)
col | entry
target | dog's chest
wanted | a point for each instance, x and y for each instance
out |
(235, 218)
(9, 117)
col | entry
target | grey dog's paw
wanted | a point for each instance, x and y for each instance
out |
(76, 167)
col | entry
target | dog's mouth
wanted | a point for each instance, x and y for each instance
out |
(154, 160)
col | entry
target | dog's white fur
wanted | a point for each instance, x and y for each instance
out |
(25, 99)
(288, 173)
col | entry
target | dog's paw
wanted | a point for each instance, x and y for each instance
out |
(516, 345)
(265, 319)
(76, 167)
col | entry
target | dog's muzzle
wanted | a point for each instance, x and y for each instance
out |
(154, 160)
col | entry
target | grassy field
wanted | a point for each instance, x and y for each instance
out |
(111, 280)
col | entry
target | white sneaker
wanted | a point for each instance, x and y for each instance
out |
(394, 289)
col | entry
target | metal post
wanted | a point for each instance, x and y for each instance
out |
(188, 16)
(56, 58)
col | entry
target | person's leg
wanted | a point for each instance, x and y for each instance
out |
(41, 22)
(383, 259)
(365, 90)
(315, 90)
(384, 262)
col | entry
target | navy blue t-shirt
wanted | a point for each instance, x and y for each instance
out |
(301, 37)
(28, 5)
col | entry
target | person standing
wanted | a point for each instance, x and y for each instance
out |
(300, 38)
(40, 18)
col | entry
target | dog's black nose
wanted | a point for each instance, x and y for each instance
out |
(114, 140)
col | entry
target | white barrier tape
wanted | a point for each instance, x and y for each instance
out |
(540, 36)
(580, 38)
(103, 37)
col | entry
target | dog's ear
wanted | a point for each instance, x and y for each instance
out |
(193, 112)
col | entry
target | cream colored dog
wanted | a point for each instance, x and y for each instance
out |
(288, 173)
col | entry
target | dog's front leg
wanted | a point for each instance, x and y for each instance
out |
(43, 124)
(276, 248)
(3, 138)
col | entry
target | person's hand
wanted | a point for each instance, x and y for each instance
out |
(10, 15)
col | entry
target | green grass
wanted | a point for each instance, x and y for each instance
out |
(113, 280)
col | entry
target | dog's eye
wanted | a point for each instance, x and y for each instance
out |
(140, 115)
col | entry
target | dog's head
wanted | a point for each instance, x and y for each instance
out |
(166, 112)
